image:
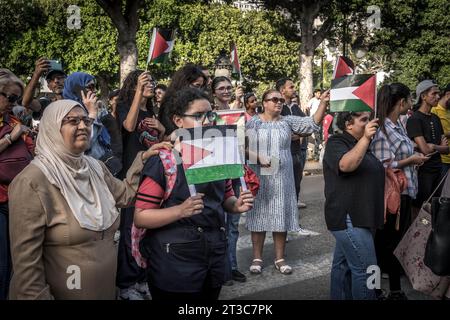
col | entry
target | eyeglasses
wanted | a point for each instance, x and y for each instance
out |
(276, 100)
(12, 98)
(75, 121)
(201, 116)
(229, 88)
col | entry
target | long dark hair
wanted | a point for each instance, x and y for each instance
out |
(128, 90)
(388, 96)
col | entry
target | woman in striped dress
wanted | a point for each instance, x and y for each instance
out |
(275, 208)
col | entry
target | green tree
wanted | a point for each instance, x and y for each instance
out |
(415, 40)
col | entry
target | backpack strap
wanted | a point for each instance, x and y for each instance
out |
(170, 172)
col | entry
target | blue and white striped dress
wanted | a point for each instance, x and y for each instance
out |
(275, 206)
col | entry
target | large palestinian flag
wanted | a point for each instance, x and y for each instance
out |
(211, 154)
(353, 93)
(161, 45)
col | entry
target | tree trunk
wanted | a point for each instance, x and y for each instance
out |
(306, 78)
(103, 81)
(128, 58)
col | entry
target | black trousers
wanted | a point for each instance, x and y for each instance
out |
(128, 272)
(387, 239)
(298, 162)
(428, 181)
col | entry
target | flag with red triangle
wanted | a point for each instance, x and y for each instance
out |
(344, 67)
(161, 45)
(210, 154)
(353, 93)
(236, 65)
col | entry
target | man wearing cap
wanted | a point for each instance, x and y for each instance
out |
(442, 110)
(426, 131)
(55, 82)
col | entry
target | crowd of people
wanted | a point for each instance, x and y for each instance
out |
(92, 188)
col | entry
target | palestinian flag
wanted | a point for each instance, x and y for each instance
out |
(353, 93)
(235, 61)
(161, 45)
(211, 154)
(344, 67)
(230, 117)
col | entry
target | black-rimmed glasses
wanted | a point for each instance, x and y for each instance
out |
(202, 116)
(75, 121)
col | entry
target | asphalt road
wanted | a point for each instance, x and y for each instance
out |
(310, 257)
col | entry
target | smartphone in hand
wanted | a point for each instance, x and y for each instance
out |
(55, 65)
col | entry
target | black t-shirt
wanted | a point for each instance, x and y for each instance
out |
(359, 194)
(131, 144)
(430, 128)
(213, 215)
(296, 146)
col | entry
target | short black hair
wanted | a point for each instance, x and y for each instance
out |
(177, 104)
(317, 90)
(281, 82)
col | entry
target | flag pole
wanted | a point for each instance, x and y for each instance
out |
(192, 190)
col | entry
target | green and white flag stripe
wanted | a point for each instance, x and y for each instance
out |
(342, 97)
(212, 156)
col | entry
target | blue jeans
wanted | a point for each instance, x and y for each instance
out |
(5, 255)
(354, 253)
(233, 235)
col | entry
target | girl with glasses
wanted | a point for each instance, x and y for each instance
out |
(185, 241)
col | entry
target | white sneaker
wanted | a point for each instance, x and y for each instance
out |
(130, 293)
(142, 288)
(306, 232)
(301, 205)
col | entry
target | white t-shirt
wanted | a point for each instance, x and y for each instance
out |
(313, 104)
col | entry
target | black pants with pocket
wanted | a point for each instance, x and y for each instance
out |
(186, 261)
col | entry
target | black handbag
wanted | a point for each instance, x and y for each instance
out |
(437, 252)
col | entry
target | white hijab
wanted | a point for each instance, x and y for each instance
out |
(80, 178)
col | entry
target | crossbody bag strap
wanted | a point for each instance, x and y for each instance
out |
(443, 179)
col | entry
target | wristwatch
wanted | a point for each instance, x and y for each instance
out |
(8, 138)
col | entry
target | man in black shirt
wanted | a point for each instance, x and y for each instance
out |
(425, 129)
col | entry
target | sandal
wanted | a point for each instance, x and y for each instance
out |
(256, 266)
(284, 269)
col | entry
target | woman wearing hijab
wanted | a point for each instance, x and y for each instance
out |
(63, 214)
(76, 87)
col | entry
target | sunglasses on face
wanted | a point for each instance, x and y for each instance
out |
(12, 98)
(201, 116)
(75, 121)
(276, 100)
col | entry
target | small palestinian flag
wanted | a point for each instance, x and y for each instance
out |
(161, 45)
(211, 154)
(235, 61)
(344, 67)
(230, 117)
(353, 93)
